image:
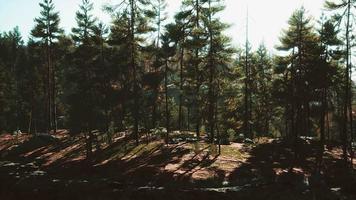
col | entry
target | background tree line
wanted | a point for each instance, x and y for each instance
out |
(141, 72)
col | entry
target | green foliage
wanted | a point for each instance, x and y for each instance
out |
(47, 25)
(86, 85)
(85, 23)
(139, 73)
(228, 136)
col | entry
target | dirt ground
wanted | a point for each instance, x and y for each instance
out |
(56, 168)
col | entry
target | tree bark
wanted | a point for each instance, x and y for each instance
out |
(166, 96)
(133, 66)
(180, 114)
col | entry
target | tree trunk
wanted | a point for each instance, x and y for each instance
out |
(133, 66)
(350, 111)
(347, 88)
(154, 109)
(188, 118)
(166, 96)
(198, 117)
(211, 80)
(89, 144)
(217, 120)
(180, 114)
(54, 104)
(30, 122)
(322, 130)
(49, 102)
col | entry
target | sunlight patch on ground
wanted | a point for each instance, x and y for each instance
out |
(52, 157)
(203, 163)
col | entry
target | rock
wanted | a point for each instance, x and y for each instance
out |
(225, 183)
(173, 141)
(191, 139)
(150, 188)
(225, 189)
(179, 139)
(17, 132)
(31, 165)
(47, 137)
(240, 137)
(176, 132)
(38, 173)
(11, 164)
(248, 141)
(335, 189)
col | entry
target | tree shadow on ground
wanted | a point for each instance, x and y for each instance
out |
(265, 174)
(275, 173)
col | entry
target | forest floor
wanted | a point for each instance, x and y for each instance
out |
(45, 167)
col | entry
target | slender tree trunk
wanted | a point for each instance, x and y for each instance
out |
(154, 110)
(188, 118)
(246, 117)
(49, 102)
(197, 125)
(347, 87)
(35, 126)
(250, 124)
(180, 114)
(322, 129)
(89, 144)
(217, 118)
(133, 66)
(211, 79)
(247, 98)
(307, 116)
(286, 113)
(54, 89)
(328, 124)
(350, 108)
(293, 109)
(198, 115)
(166, 96)
(211, 107)
(49, 72)
(30, 122)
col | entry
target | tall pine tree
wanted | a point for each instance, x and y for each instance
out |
(47, 31)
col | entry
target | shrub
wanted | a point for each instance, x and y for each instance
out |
(228, 136)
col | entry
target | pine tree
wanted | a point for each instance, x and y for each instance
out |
(196, 40)
(48, 31)
(85, 22)
(178, 32)
(263, 97)
(83, 109)
(36, 85)
(167, 52)
(300, 41)
(326, 75)
(13, 58)
(218, 57)
(120, 68)
(139, 15)
(160, 17)
(346, 7)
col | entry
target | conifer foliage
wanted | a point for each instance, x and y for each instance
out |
(145, 74)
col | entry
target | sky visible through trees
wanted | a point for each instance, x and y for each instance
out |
(150, 99)
(260, 12)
